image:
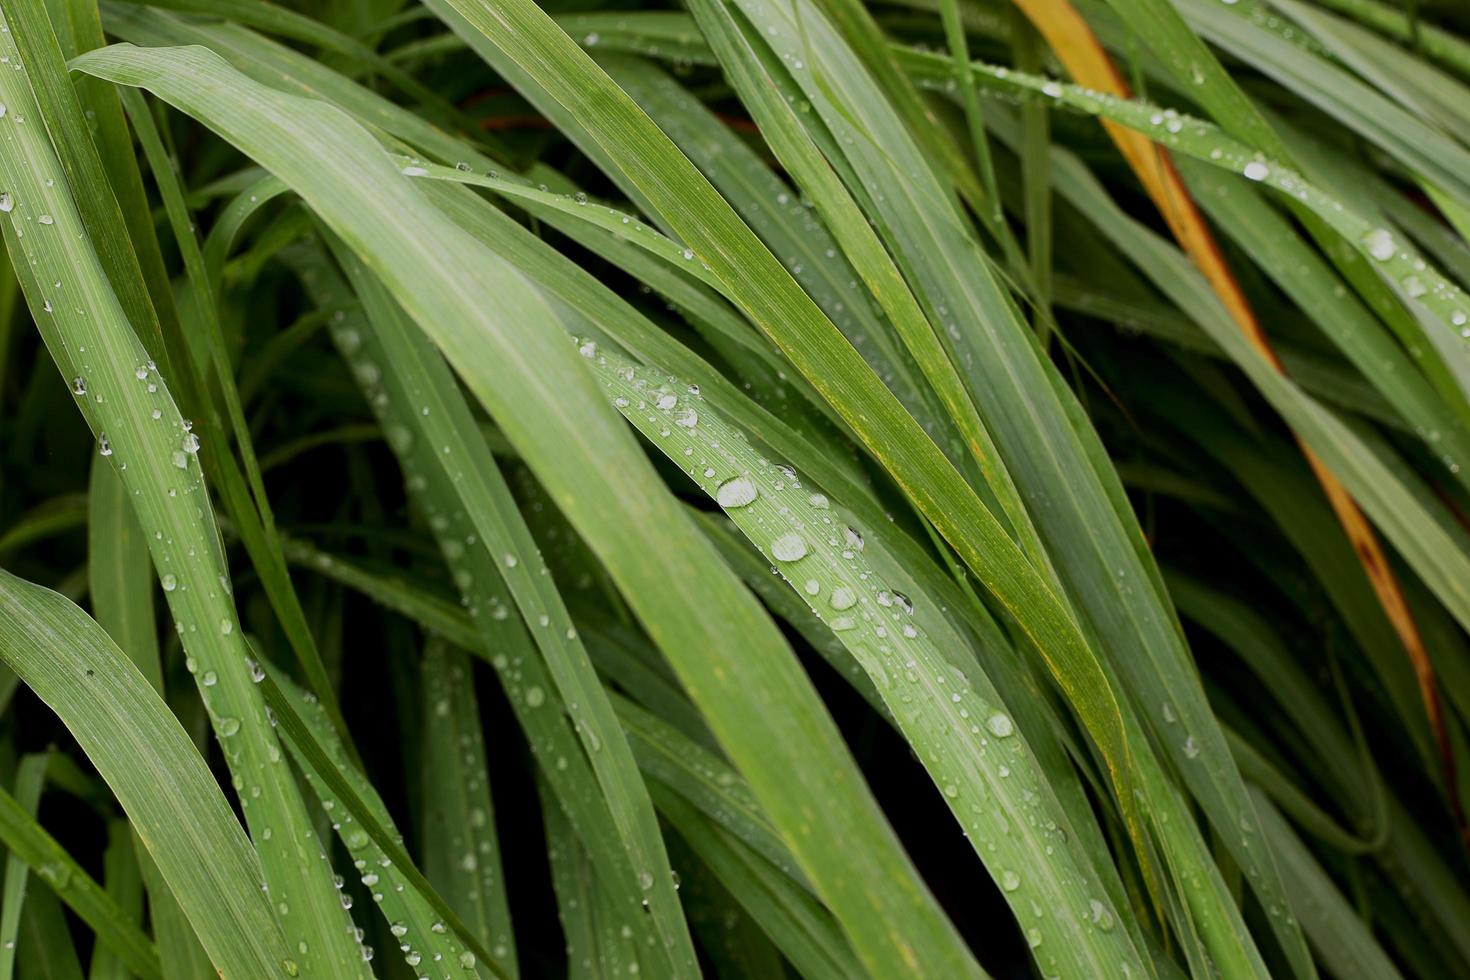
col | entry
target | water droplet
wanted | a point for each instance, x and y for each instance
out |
(1256, 170)
(843, 598)
(1380, 244)
(737, 492)
(1010, 881)
(46, 219)
(1101, 916)
(103, 446)
(170, 582)
(1000, 725)
(788, 547)
(535, 697)
(228, 726)
(79, 385)
(7, 203)
(1191, 748)
(819, 501)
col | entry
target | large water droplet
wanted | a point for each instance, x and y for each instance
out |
(737, 492)
(1000, 725)
(1380, 244)
(789, 547)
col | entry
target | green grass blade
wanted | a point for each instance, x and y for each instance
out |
(694, 610)
(461, 851)
(119, 391)
(154, 770)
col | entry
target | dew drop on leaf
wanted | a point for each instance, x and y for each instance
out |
(789, 547)
(737, 492)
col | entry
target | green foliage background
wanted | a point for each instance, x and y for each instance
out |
(744, 489)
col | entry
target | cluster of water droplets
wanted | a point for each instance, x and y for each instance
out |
(965, 739)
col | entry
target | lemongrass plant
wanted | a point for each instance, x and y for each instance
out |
(923, 488)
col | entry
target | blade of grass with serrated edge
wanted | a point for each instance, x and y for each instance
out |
(90, 339)
(461, 851)
(728, 654)
(159, 777)
(988, 779)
